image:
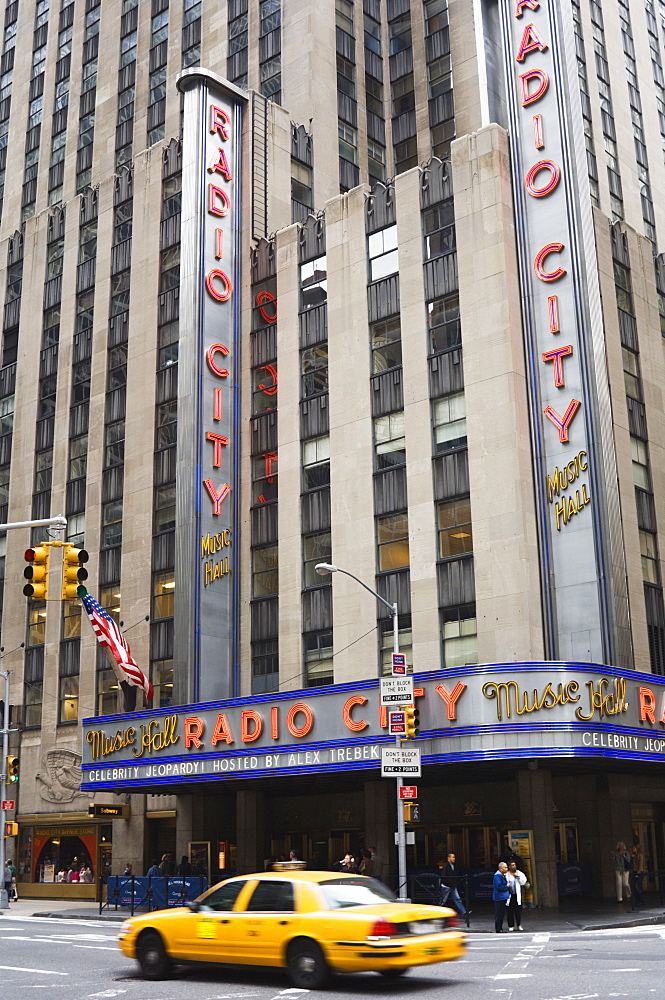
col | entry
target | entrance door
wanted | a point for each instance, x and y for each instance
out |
(565, 842)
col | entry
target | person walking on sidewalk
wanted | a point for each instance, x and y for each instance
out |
(622, 866)
(516, 879)
(7, 880)
(500, 894)
(449, 891)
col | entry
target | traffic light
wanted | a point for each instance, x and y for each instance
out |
(11, 829)
(37, 572)
(73, 573)
(412, 722)
(12, 769)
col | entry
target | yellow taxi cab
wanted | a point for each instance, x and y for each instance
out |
(311, 923)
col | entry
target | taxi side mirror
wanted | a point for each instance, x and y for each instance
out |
(194, 906)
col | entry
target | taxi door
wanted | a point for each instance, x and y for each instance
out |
(210, 934)
(265, 922)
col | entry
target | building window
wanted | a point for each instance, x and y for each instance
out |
(344, 15)
(383, 253)
(168, 344)
(389, 441)
(264, 478)
(76, 529)
(404, 98)
(346, 77)
(162, 681)
(264, 388)
(440, 77)
(347, 140)
(374, 96)
(265, 666)
(459, 636)
(406, 155)
(114, 443)
(386, 343)
(163, 595)
(399, 33)
(316, 463)
(387, 642)
(454, 528)
(392, 535)
(164, 498)
(43, 470)
(167, 424)
(449, 418)
(71, 619)
(32, 702)
(107, 688)
(631, 373)
(265, 573)
(111, 524)
(443, 324)
(36, 623)
(81, 372)
(640, 456)
(316, 549)
(313, 283)
(318, 657)
(68, 699)
(649, 554)
(314, 366)
(439, 229)
(301, 183)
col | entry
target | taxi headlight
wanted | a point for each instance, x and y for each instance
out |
(125, 928)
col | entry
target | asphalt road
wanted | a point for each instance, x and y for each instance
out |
(77, 960)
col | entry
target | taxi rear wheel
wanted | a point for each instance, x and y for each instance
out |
(307, 966)
(155, 963)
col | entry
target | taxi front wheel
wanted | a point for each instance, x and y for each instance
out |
(155, 963)
(307, 966)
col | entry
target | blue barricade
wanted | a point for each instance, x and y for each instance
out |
(155, 893)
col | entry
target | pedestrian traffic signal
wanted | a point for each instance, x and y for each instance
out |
(411, 812)
(412, 722)
(73, 572)
(11, 829)
(37, 572)
(12, 769)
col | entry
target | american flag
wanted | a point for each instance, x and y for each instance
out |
(113, 641)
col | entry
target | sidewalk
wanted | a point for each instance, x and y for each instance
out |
(573, 914)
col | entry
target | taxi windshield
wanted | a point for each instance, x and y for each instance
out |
(354, 892)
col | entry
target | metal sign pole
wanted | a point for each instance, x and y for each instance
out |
(4, 897)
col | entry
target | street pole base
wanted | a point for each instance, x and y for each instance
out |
(4, 899)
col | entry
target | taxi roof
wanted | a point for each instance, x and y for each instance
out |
(299, 874)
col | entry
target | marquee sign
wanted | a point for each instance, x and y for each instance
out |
(206, 601)
(568, 389)
(496, 711)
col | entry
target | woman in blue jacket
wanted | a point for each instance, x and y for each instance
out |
(500, 894)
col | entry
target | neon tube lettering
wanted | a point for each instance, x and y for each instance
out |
(531, 41)
(563, 423)
(539, 261)
(557, 357)
(219, 122)
(219, 441)
(555, 175)
(528, 97)
(217, 498)
(210, 358)
(215, 275)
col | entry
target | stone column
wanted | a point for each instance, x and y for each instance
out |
(249, 825)
(537, 814)
(129, 839)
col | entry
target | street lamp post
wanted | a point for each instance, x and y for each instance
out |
(323, 569)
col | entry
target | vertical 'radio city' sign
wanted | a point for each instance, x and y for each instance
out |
(208, 388)
(557, 258)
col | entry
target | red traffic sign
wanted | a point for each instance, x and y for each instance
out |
(399, 664)
(408, 792)
(8, 804)
(397, 723)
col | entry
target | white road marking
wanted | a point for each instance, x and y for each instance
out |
(94, 947)
(42, 972)
(541, 938)
(625, 970)
(107, 993)
(514, 975)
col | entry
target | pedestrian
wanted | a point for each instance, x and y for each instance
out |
(128, 869)
(366, 866)
(347, 864)
(184, 868)
(516, 880)
(639, 867)
(14, 891)
(378, 864)
(154, 870)
(622, 865)
(7, 880)
(500, 894)
(167, 864)
(449, 881)
(293, 855)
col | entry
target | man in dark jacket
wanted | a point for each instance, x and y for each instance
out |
(450, 878)
(500, 894)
